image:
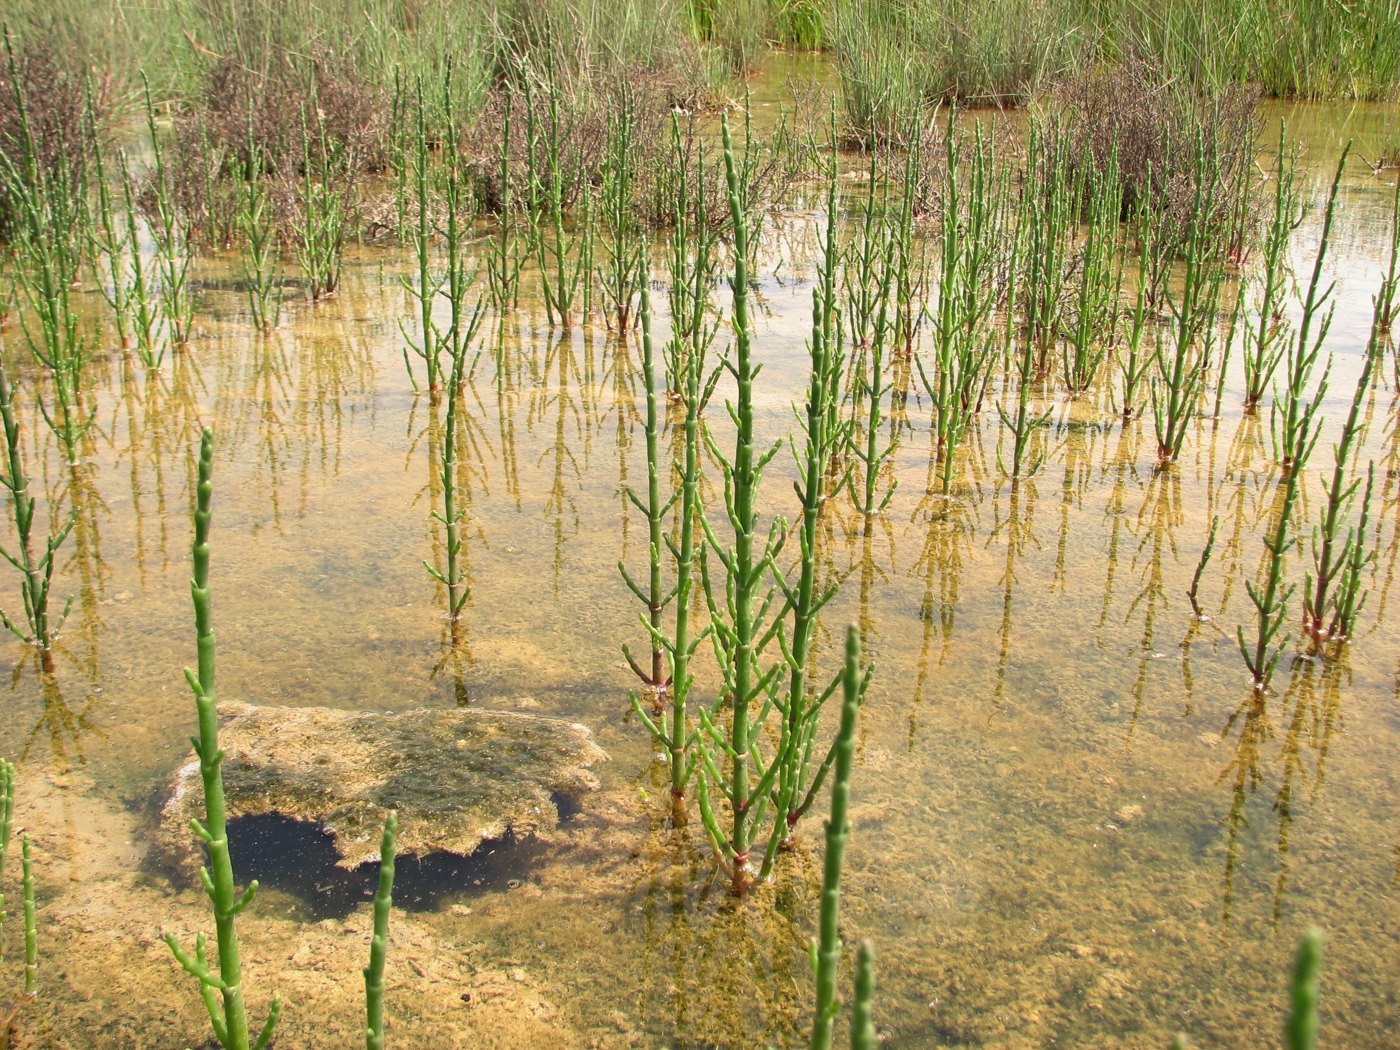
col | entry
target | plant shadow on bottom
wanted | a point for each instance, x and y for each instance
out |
(298, 858)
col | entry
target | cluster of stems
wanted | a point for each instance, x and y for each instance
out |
(564, 256)
(1099, 284)
(172, 241)
(1332, 591)
(671, 679)
(262, 256)
(623, 244)
(1294, 413)
(655, 510)
(506, 257)
(324, 212)
(964, 350)
(49, 223)
(799, 704)
(1266, 328)
(1180, 375)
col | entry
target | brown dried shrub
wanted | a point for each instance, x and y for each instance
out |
(49, 82)
(287, 105)
(1155, 121)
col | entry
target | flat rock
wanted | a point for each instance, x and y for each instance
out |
(457, 777)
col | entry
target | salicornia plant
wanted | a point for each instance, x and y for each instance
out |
(172, 240)
(49, 239)
(262, 256)
(826, 952)
(507, 255)
(798, 703)
(1292, 417)
(323, 220)
(622, 271)
(655, 508)
(731, 761)
(38, 627)
(379, 941)
(561, 270)
(428, 284)
(686, 355)
(221, 989)
(1333, 550)
(1266, 328)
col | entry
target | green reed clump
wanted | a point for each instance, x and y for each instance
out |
(221, 991)
(1049, 208)
(1019, 420)
(379, 941)
(453, 575)
(1266, 328)
(147, 316)
(826, 950)
(463, 324)
(446, 216)
(429, 284)
(690, 261)
(864, 260)
(1291, 419)
(729, 740)
(111, 238)
(911, 253)
(38, 627)
(869, 452)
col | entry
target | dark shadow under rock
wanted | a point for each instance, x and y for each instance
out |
(458, 778)
(299, 859)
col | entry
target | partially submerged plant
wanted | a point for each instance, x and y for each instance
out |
(36, 571)
(739, 606)
(653, 597)
(31, 940)
(1266, 329)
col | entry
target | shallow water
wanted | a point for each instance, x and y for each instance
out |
(1073, 824)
